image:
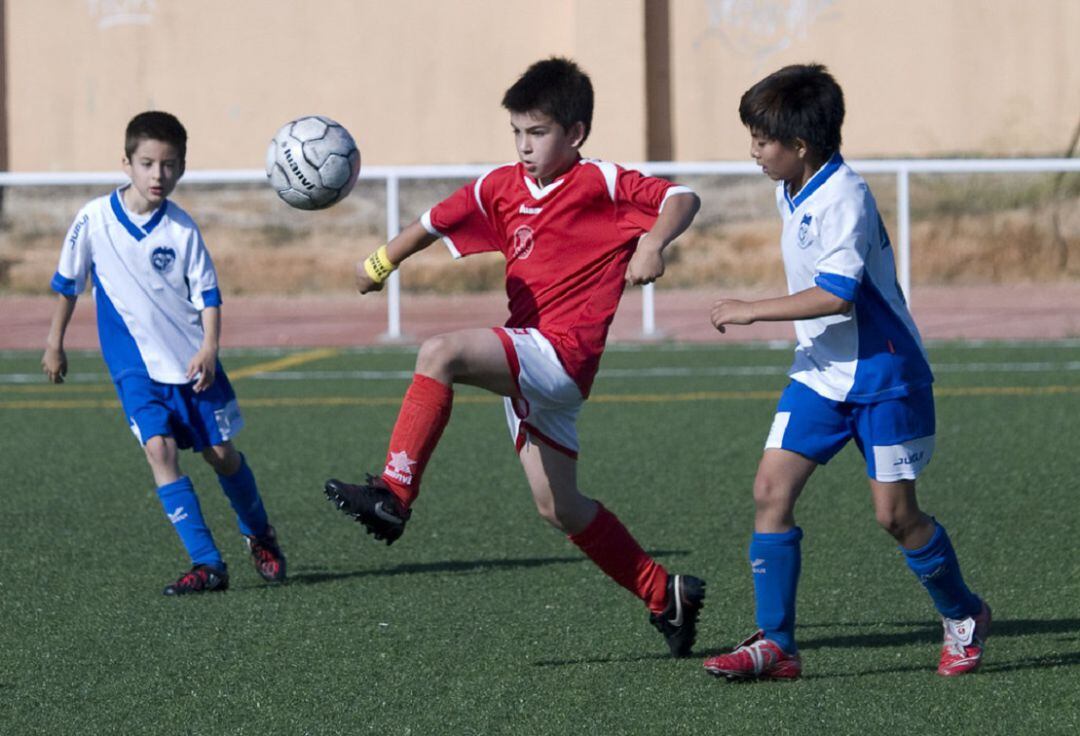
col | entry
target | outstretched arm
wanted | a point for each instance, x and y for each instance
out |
(54, 361)
(412, 239)
(808, 304)
(647, 264)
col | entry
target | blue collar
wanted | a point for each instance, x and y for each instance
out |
(136, 232)
(819, 178)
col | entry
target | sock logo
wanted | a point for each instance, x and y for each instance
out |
(178, 515)
(399, 467)
(757, 566)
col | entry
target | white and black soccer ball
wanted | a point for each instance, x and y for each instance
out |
(312, 162)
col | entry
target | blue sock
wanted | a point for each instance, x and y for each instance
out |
(182, 509)
(244, 497)
(936, 567)
(775, 560)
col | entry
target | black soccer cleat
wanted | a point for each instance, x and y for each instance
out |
(377, 508)
(200, 579)
(678, 621)
(267, 556)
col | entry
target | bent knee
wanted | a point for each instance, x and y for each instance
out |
(437, 355)
(772, 494)
(567, 517)
(222, 458)
(549, 514)
(899, 525)
(158, 450)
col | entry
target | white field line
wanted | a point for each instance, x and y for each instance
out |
(606, 373)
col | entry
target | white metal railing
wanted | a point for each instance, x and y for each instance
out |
(393, 175)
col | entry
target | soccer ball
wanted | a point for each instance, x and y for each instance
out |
(312, 162)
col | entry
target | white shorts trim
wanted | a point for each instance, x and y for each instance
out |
(903, 461)
(552, 399)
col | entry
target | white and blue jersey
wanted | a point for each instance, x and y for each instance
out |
(151, 276)
(834, 238)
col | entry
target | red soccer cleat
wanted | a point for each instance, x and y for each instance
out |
(267, 556)
(200, 579)
(965, 640)
(756, 658)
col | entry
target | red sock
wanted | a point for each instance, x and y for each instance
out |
(610, 545)
(424, 413)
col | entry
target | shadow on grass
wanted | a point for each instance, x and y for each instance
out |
(652, 657)
(314, 577)
(1067, 659)
(924, 634)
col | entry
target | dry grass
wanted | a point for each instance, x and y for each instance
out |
(965, 230)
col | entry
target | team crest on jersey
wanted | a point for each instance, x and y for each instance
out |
(162, 259)
(804, 231)
(523, 242)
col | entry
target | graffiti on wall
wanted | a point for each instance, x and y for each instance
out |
(112, 13)
(761, 28)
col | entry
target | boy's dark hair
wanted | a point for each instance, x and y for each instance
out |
(556, 87)
(158, 126)
(798, 101)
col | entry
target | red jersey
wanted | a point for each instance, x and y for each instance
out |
(567, 246)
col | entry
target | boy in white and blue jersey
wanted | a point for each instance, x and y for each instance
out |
(159, 318)
(860, 372)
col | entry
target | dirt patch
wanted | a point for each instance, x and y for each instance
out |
(1012, 312)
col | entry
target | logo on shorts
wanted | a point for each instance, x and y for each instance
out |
(162, 259)
(911, 459)
(523, 242)
(400, 467)
(804, 230)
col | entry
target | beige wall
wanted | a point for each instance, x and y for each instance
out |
(920, 77)
(419, 81)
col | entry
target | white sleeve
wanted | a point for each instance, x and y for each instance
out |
(845, 237)
(76, 258)
(201, 275)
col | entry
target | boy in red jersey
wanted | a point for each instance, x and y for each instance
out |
(574, 232)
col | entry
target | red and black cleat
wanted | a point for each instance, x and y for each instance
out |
(199, 579)
(267, 556)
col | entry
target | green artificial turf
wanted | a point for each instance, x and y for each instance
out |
(483, 620)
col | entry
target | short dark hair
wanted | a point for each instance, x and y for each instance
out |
(798, 101)
(155, 125)
(556, 87)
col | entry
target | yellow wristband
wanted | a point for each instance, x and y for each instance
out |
(378, 266)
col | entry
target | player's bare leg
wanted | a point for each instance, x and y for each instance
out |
(163, 456)
(223, 458)
(674, 601)
(780, 479)
(552, 477)
(897, 511)
(474, 357)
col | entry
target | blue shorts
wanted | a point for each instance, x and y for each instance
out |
(194, 420)
(895, 436)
